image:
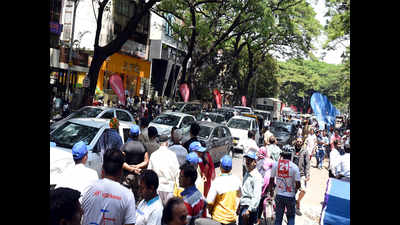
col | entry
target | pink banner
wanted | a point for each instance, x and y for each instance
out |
(185, 93)
(244, 101)
(218, 98)
(118, 88)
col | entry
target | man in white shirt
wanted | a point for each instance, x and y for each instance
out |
(343, 169)
(311, 143)
(334, 159)
(150, 209)
(165, 163)
(107, 200)
(78, 177)
(286, 176)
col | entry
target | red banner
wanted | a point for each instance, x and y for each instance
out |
(218, 98)
(118, 87)
(244, 101)
(294, 108)
(185, 93)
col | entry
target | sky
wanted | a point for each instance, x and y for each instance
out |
(332, 56)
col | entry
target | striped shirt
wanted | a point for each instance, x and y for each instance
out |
(195, 203)
(224, 196)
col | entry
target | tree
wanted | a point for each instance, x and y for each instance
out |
(141, 8)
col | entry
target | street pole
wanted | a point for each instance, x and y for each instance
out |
(71, 42)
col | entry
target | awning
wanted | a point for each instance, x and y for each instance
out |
(124, 64)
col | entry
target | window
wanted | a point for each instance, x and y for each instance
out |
(227, 132)
(69, 134)
(215, 133)
(121, 115)
(87, 113)
(187, 121)
(108, 115)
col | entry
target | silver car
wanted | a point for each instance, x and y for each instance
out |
(166, 121)
(217, 139)
(72, 131)
(96, 112)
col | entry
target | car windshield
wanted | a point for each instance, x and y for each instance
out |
(87, 113)
(177, 106)
(205, 132)
(167, 119)
(281, 127)
(70, 133)
(239, 124)
(243, 109)
(204, 116)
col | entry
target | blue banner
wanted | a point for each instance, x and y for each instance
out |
(323, 109)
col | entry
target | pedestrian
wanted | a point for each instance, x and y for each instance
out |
(79, 177)
(65, 208)
(150, 209)
(194, 131)
(175, 212)
(301, 158)
(192, 197)
(264, 166)
(267, 136)
(224, 195)
(311, 143)
(193, 159)
(171, 141)
(285, 178)
(299, 130)
(144, 136)
(323, 142)
(176, 146)
(250, 142)
(334, 159)
(334, 137)
(273, 149)
(152, 145)
(165, 163)
(343, 168)
(110, 137)
(136, 159)
(107, 199)
(250, 191)
(206, 165)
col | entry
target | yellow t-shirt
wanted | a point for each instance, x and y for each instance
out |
(224, 195)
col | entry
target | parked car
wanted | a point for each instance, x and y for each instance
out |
(97, 112)
(166, 121)
(284, 132)
(239, 127)
(228, 112)
(243, 109)
(217, 139)
(193, 108)
(214, 117)
(72, 131)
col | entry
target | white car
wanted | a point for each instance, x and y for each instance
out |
(97, 112)
(72, 131)
(166, 121)
(239, 127)
(243, 109)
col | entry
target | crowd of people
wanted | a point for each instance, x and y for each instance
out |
(152, 179)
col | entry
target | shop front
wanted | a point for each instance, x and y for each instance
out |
(133, 72)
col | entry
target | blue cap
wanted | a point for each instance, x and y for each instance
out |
(193, 158)
(196, 146)
(226, 162)
(251, 154)
(135, 130)
(79, 150)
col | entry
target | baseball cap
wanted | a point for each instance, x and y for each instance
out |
(79, 150)
(196, 146)
(251, 154)
(226, 162)
(162, 138)
(134, 130)
(193, 158)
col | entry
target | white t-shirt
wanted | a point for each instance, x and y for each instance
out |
(165, 163)
(108, 202)
(311, 143)
(249, 144)
(78, 177)
(334, 160)
(149, 213)
(286, 174)
(344, 165)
